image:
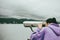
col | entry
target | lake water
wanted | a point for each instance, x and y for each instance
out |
(14, 32)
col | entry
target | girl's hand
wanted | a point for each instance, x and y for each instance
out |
(40, 26)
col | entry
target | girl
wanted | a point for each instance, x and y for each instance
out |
(50, 32)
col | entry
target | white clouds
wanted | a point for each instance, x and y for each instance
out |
(6, 12)
(48, 8)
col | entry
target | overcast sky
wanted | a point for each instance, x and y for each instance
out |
(30, 8)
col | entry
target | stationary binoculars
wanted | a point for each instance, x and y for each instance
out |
(33, 23)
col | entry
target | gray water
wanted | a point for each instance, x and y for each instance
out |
(14, 32)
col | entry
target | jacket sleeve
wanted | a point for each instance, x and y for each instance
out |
(37, 34)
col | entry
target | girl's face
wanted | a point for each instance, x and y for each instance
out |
(46, 24)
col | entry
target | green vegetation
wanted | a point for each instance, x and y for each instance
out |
(14, 20)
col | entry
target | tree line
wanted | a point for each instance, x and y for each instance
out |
(14, 20)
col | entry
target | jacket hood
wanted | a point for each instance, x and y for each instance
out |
(55, 28)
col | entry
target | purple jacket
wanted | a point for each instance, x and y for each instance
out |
(52, 32)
